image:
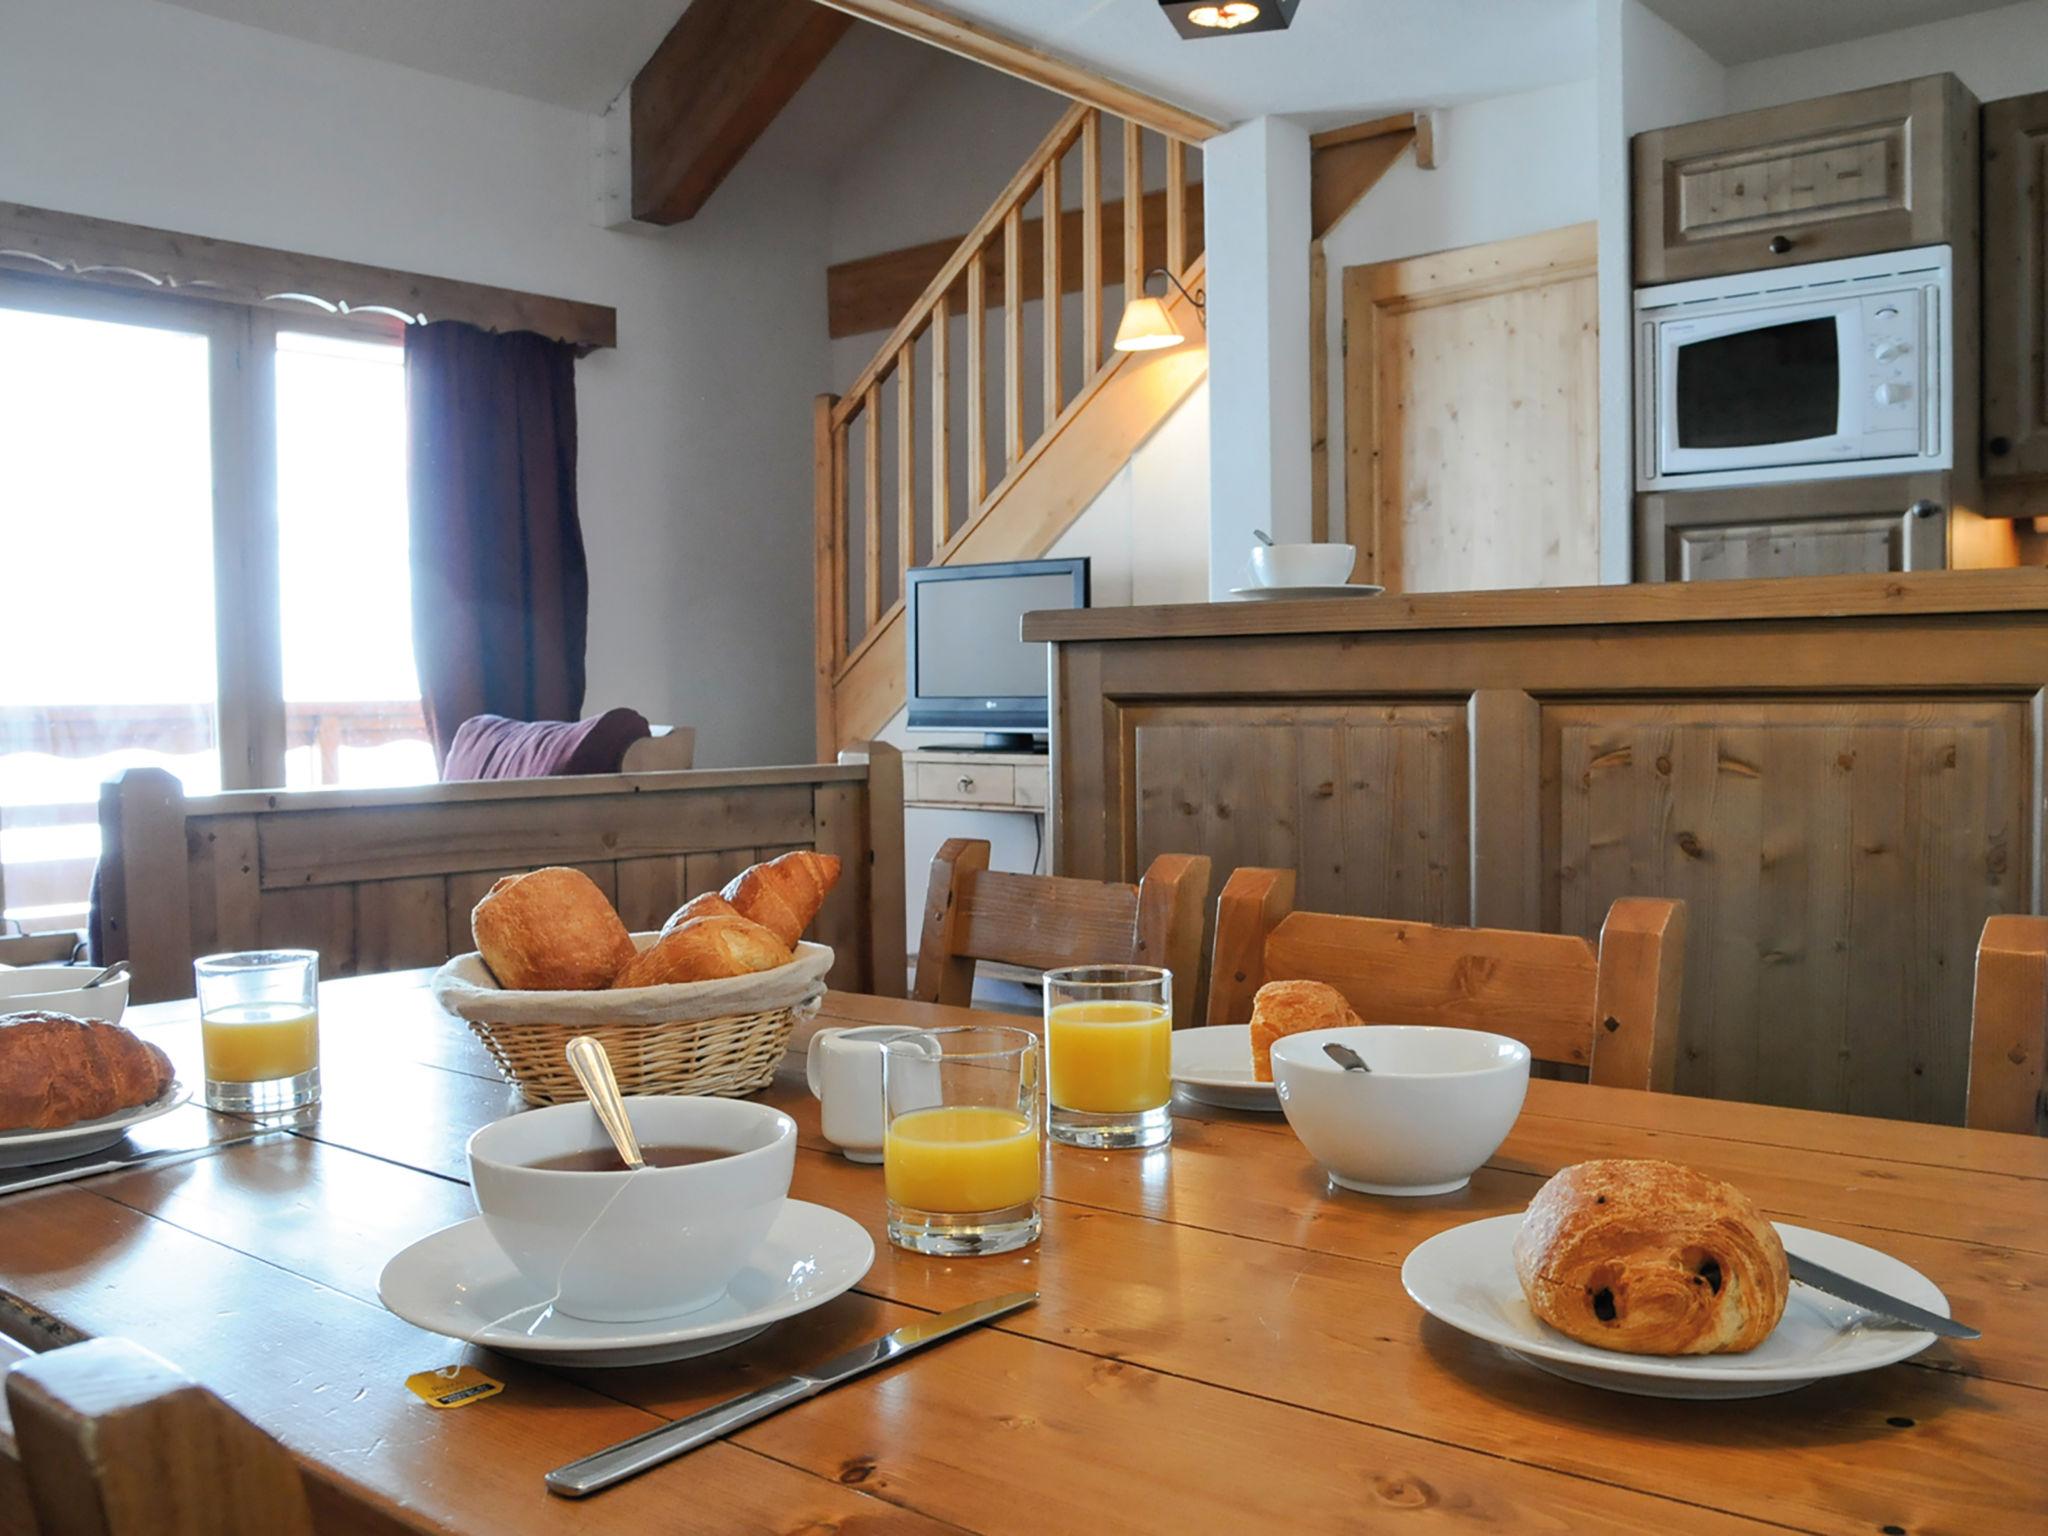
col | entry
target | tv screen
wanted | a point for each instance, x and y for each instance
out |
(969, 667)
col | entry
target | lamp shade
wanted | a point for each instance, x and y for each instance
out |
(1147, 327)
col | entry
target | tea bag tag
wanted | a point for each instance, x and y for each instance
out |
(452, 1386)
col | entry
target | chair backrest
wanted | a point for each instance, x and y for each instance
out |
(671, 749)
(109, 1440)
(385, 879)
(1043, 922)
(2009, 1028)
(1613, 1011)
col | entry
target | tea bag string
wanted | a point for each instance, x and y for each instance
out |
(529, 1317)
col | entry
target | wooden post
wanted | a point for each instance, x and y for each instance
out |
(828, 570)
(1134, 212)
(871, 509)
(1319, 395)
(1050, 292)
(887, 948)
(145, 897)
(1091, 244)
(942, 424)
(1176, 207)
(977, 384)
(1013, 337)
(906, 461)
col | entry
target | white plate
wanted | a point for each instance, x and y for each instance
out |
(1280, 594)
(18, 1149)
(458, 1282)
(1213, 1065)
(1466, 1277)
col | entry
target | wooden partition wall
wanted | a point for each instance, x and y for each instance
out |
(381, 880)
(1842, 778)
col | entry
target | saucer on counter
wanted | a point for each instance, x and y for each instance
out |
(1213, 1065)
(1281, 594)
(458, 1282)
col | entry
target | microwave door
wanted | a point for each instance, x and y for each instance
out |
(1759, 388)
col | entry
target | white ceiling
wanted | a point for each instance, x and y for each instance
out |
(575, 53)
(1737, 31)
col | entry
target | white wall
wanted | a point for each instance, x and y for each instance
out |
(1995, 53)
(1508, 166)
(695, 467)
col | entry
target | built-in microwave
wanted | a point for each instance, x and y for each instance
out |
(1801, 373)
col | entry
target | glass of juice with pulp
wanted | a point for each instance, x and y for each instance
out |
(259, 1027)
(962, 1154)
(1109, 1050)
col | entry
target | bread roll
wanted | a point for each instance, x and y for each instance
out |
(56, 1070)
(784, 894)
(1288, 1008)
(550, 931)
(705, 949)
(710, 904)
(1650, 1258)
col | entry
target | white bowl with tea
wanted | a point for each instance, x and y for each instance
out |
(615, 1246)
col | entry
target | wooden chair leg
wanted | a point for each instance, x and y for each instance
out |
(944, 975)
(1251, 906)
(116, 1442)
(2009, 1027)
(1171, 902)
(1636, 996)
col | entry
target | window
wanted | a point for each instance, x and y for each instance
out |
(163, 607)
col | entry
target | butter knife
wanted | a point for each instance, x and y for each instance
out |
(631, 1457)
(1871, 1299)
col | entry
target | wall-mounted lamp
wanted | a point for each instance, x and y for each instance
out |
(1226, 18)
(1146, 326)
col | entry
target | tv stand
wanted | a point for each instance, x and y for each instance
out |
(977, 779)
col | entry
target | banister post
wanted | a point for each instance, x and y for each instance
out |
(828, 555)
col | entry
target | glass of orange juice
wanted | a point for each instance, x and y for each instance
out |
(1109, 1053)
(259, 1028)
(961, 1151)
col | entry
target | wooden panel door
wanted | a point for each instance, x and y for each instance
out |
(2016, 288)
(1369, 802)
(1839, 861)
(1826, 528)
(1873, 170)
(1472, 402)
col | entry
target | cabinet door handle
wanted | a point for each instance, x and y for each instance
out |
(1998, 447)
(1779, 245)
(966, 783)
(1923, 509)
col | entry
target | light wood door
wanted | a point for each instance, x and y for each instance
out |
(1472, 416)
(2016, 288)
(1827, 528)
(1873, 170)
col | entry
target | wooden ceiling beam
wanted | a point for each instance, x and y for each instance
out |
(721, 76)
(1013, 56)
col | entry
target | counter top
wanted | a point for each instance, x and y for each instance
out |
(1823, 597)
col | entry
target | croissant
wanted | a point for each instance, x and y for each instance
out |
(550, 931)
(784, 894)
(1288, 1008)
(705, 949)
(710, 904)
(56, 1070)
(1650, 1258)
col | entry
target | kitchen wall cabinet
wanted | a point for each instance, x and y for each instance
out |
(2015, 430)
(1864, 171)
(1821, 528)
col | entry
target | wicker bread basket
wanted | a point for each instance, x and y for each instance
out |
(724, 1037)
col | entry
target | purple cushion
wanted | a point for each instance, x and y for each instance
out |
(493, 747)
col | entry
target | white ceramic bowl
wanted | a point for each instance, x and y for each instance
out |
(56, 989)
(629, 1247)
(1302, 565)
(1435, 1105)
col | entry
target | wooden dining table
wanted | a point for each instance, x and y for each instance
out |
(1222, 1341)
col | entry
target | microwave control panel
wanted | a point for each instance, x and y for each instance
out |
(1892, 361)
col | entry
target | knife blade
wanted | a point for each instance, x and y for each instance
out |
(1871, 1299)
(163, 1158)
(631, 1457)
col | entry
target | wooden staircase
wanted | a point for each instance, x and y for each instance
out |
(952, 447)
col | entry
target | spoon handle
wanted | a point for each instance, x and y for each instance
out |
(593, 1069)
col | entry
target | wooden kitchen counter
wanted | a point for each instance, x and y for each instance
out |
(1842, 777)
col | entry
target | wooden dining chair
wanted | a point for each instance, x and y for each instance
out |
(1613, 1011)
(107, 1439)
(2009, 1028)
(1042, 922)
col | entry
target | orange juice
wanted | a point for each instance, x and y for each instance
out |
(1109, 1058)
(255, 1042)
(962, 1158)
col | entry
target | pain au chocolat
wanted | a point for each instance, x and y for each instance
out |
(1651, 1258)
(550, 931)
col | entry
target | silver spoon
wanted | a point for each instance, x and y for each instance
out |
(593, 1069)
(118, 968)
(1263, 537)
(1345, 1057)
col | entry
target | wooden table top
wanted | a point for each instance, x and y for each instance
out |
(1222, 1340)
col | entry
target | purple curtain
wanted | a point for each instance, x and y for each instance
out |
(500, 592)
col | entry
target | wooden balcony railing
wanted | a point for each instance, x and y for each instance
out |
(967, 415)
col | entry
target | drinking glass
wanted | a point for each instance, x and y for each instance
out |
(962, 1154)
(1109, 1051)
(259, 1027)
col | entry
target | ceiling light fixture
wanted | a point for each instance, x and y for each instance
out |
(1228, 18)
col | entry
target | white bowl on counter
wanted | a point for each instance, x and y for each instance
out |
(1435, 1105)
(1302, 565)
(60, 989)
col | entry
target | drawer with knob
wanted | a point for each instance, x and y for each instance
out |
(955, 783)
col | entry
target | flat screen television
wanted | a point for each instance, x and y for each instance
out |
(970, 670)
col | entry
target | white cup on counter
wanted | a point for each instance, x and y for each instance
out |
(844, 1069)
(1303, 565)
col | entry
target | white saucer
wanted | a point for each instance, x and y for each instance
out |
(1213, 1065)
(1466, 1277)
(458, 1282)
(1281, 594)
(18, 1149)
